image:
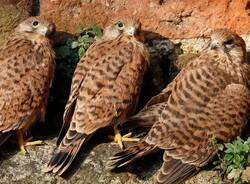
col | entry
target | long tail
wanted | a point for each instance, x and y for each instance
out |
(4, 137)
(66, 152)
(130, 154)
(174, 171)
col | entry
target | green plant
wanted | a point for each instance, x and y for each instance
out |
(70, 52)
(233, 158)
(86, 38)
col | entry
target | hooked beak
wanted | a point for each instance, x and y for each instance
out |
(43, 30)
(47, 30)
(131, 30)
(214, 45)
(134, 29)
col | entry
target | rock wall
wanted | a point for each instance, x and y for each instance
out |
(170, 18)
(11, 13)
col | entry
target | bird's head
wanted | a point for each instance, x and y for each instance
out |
(36, 25)
(130, 27)
(229, 43)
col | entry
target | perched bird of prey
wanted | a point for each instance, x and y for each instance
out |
(208, 100)
(27, 62)
(104, 91)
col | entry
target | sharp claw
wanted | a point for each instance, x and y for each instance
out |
(23, 144)
(33, 143)
(23, 151)
(127, 135)
(118, 139)
(120, 144)
(130, 139)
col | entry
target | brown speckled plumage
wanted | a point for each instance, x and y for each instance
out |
(104, 91)
(208, 100)
(26, 72)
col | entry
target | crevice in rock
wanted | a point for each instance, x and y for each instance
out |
(36, 8)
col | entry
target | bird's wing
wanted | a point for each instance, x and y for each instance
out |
(111, 88)
(83, 66)
(161, 97)
(228, 112)
(26, 72)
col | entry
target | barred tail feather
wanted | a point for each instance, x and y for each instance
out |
(66, 152)
(130, 154)
(174, 171)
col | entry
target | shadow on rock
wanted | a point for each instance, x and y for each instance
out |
(162, 70)
(98, 138)
(144, 168)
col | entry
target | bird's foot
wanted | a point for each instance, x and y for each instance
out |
(23, 144)
(119, 139)
(31, 143)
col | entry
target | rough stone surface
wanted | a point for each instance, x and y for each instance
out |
(89, 168)
(246, 175)
(169, 18)
(11, 13)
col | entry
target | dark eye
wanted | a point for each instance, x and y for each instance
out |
(35, 23)
(120, 24)
(229, 43)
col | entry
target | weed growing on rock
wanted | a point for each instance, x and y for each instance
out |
(74, 48)
(234, 158)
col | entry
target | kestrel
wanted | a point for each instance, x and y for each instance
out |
(104, 91)
(27, 62)
(209, 99)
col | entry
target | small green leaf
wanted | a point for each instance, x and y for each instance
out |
(81, 52)
(237, 160)
(220, 147)
(248, 159)
(230, 147)
(229, 168)
(248, 140)
(74, 44)
(245, 147)
(228, 157)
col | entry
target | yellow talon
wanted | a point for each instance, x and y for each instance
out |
(23, 144)
(127, 135)
(23, 150)
(34, 143)
(119, 139)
